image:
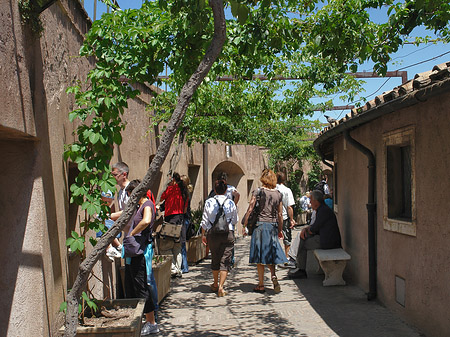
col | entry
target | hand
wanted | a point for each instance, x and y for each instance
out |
(303, 233)
(244, 231)
(204, 240)
(280, 235)
(292, 223)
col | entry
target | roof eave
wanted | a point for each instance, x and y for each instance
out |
(410, 99)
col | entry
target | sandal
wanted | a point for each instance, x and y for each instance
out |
(259, 289)
(221, 293)
(276, 285)
(213, 288)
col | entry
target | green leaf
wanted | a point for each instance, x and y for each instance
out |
(117, 138)
(63, 307)
(94, 137)
(243, 12)
(235, 8)
(93, 241)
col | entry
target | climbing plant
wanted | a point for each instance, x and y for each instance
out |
(312, 40)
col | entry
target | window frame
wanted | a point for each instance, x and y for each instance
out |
(398, 137)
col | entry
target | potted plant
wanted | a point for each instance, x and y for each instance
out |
(161, 270)
(196, 250)
(120, 318)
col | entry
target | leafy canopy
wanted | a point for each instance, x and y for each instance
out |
(316, 42)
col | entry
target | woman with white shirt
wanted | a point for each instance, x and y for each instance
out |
(220, 244)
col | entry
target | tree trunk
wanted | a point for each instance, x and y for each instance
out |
(177, 117)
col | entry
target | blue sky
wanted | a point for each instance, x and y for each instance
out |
(413, 59)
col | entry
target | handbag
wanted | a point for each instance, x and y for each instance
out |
(253, 217)
(170, 230)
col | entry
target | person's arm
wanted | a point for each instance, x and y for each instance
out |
(186, 203)
(143, 224)
(280, 219)
(205, 221)
(290, 212)
(114, 216)
(166, 193)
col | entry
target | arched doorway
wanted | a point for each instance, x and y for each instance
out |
(233, 171)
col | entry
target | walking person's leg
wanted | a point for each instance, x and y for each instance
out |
(215, 262)
(260, 287)
(177, 258)
(226, 262)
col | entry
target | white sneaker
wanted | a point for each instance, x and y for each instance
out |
(149, 328)
(113, 252)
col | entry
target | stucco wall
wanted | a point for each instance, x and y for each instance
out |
(421, 260)
(34, 198)
(34, 74)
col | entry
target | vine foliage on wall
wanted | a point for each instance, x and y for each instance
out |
(29, 14)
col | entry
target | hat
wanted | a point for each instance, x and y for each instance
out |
(108, 195)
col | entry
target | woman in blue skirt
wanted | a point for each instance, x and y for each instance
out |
(265, 249)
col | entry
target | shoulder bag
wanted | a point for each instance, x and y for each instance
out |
(253, 217)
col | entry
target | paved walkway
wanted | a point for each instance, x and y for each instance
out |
(303, 308)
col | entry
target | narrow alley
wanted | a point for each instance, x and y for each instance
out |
(303, 308)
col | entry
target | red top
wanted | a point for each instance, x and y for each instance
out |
(174, 201)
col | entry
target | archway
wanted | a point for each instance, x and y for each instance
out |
(233, 171)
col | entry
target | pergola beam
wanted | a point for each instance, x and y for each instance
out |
(361, 74)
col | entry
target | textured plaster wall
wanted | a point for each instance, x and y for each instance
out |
(34, 199)
(33, 128)
(421, 260)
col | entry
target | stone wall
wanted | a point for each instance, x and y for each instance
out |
(421, 259)
(36, 214)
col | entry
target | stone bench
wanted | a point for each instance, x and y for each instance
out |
(332, 262)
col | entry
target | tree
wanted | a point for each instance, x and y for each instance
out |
(308, 39)
(182, 103)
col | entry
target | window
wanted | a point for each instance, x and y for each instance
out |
(249, 188)
(399, 181)
(398, 163)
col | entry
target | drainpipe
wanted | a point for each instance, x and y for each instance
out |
(372, 294)
(205, 171)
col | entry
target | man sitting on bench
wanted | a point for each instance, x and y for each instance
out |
(322, 234)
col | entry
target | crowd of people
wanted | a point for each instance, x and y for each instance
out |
(269, 219)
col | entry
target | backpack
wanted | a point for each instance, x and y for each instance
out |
(220, 224)
(320, 186)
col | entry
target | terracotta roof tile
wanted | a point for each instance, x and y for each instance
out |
(405, 88)
(390, 95)
(379, 99)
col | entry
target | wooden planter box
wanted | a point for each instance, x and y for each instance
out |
(161, 271)
(132, 330)
(196, 250)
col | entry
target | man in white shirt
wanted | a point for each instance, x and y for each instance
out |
(288, 212)
(221, 244)
(120, 172)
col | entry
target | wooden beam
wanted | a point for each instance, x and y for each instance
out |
(363, 74)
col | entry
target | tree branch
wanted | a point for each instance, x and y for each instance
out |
(183, 101)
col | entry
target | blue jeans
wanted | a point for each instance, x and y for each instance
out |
(184, 261)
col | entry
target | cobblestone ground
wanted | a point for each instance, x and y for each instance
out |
(303, 308)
